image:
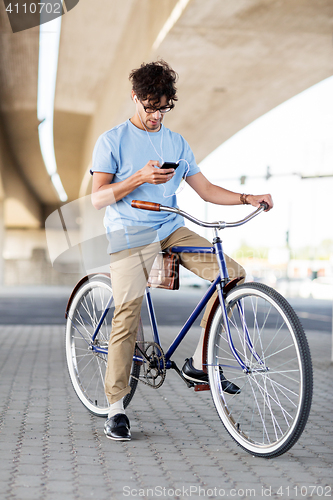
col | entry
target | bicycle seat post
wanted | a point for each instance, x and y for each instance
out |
(217, 243)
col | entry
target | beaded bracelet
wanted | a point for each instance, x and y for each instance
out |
(243, 199)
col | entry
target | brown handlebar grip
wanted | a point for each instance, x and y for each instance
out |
(146, 205)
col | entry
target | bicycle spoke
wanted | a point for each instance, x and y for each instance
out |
(285, 389)
(86, 365)
(269, 414)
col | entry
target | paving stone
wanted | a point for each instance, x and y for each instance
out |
(58, 464)
(30, 468)
(58, 455)
(121, 475)
(92, 493)
(156, 482)
(96, 481)
(34, 443)
(178, 439)
(5, 473)
(87, 450)
(27, 481)
(183, 475)
(32, 493)
(60, 486)
(60, 475)
(123, 489)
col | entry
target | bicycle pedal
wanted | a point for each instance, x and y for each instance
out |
(201, 387)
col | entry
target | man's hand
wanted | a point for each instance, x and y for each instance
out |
(255, 200)
(153, 175)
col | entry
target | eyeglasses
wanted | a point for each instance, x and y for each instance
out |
(163, 109)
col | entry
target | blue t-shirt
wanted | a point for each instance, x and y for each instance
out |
(124, 150)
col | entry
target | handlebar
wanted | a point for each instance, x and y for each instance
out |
(146, 205)
(157, 207)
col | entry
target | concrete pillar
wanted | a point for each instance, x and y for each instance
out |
(2, 224)
(2, 242)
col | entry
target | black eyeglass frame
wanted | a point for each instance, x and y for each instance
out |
(163, 109)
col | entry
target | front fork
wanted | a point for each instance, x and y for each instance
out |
(217, 242)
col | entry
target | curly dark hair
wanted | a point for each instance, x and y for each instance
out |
(154, 80)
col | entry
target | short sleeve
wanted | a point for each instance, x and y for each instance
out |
(103, 159)
(188, 155)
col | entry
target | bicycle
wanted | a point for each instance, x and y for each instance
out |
(252, 333)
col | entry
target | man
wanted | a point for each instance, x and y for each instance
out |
(126, 166)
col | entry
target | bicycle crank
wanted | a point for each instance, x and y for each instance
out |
(153, 364)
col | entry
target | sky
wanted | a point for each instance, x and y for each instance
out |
(293, 138)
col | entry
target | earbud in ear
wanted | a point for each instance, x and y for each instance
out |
(135, 99)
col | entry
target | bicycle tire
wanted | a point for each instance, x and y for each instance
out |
(269, 415)
(86, 367)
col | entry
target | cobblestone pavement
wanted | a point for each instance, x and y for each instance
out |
(51, 447)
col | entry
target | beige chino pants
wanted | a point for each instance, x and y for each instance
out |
(129, 273)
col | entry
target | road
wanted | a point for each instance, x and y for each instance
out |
(46, 306)
(51, 447)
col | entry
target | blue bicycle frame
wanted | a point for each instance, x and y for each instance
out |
(218, 284)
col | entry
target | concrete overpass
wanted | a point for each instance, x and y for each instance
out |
(236, 61)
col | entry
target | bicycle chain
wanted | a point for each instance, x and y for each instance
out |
(151, 364)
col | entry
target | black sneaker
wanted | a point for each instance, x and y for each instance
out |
(200, 377)
(118, 428)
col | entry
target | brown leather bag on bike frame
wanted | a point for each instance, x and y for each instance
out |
(165, 271)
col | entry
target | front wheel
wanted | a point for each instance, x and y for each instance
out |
(275, 373)
(91, 311)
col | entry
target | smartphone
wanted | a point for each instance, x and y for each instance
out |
(169, 164)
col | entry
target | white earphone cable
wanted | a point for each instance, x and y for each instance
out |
(182, 183)
(161, 145)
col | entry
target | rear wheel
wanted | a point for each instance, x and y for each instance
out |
(86, 365)
(270, 413)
